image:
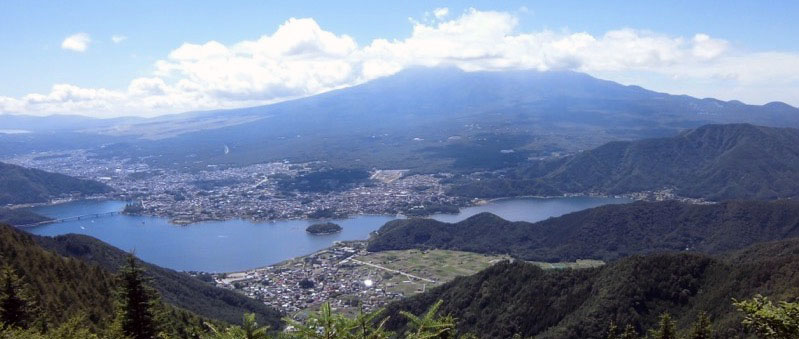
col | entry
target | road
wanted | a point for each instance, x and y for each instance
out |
(391, 270)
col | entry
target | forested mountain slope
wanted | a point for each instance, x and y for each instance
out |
(19, 185)
(62, 287)
(176, 288)
(606, 232)
(714, 162)
(434, 119)
(520, 298)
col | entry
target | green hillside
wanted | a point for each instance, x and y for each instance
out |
(607, 232)
(520, 298)
(714, 162)
(19, 216)
(20, 185)
(63, 287)
(176, 288)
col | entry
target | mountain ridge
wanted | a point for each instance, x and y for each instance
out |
(712, 162)
(389, 122)
(176, 288)
(607, 232)
(20, 185)
(520, 298)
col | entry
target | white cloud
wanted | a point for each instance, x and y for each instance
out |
(301, 58)
(441, 13)
(118, 38)
(78, 42)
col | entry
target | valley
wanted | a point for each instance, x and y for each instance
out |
(256, 192)
(404, 170)
(353, 279)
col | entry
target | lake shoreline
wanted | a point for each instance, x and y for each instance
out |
(239, 244)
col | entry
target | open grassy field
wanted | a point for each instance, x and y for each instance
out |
(441, 266)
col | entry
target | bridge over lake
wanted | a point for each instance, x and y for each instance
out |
(74, 218)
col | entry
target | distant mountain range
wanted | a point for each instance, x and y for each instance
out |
(425, 119)
(520, 298)
(20, 185)
(714, 162)
(607, 232)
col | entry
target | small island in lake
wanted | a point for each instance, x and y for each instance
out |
(323, 228)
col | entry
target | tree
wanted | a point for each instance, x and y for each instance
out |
(363, 326)
(306, 283)
(629, 332)
(666, 328)
(16, 307)
(76, 327)
(430, 325)
(779, 321)
(613, 331)
(137, 303)
(323, 324)
(701, 328)
(248, 330)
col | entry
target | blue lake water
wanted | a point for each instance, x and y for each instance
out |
(235, 245)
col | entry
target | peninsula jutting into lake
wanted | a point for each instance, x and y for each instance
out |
(295, 170)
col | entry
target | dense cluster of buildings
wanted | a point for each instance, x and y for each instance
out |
(331, 275)
(250, 192)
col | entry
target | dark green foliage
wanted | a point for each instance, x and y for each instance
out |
(16, 306)
(136, 303)
(19, 185)
(249, 329)
(306, 284)
(666, 328)
(327, 324)
(701, 328)
(715, 162)
(326, 180)
(133, 208)
(484, 152)
(613, 331)
(430, 324)
(176, 288)
(62, 286)
(520, 298)
(323, 228)
(66, 295)
(607, 232)
(629, 333)
(20, 216)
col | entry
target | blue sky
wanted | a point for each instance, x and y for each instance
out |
(745, 34)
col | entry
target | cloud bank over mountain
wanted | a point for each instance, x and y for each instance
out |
(301, 58)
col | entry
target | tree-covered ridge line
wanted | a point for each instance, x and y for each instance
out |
(176, 288)
(53, 292)
(505, 300)
(138, 315)
(607, 232)
(519, 298)
(712, 162)
(20, 216)
(20, 185)
(72, 275)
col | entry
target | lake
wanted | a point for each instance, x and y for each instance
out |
(235, 245)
